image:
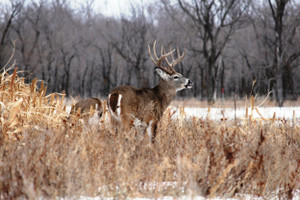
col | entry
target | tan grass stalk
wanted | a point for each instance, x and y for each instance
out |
(259, 114)
(221, 178)
(13, 80)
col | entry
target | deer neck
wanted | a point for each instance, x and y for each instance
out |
(165, 92)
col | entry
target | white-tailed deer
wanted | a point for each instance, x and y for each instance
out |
(141, 107)
(84, 107)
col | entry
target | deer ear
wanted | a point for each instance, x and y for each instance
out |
(165, 76)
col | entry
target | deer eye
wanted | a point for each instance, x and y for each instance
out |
(176, 77)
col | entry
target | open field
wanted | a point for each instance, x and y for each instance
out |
(43, 154)
(264, 101)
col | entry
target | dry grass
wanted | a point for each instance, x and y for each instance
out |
(44, 155)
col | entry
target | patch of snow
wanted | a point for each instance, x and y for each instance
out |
(230, 113)
(245, 197)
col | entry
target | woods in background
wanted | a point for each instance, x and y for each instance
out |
(231, 44)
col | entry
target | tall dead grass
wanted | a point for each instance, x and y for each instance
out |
(43, 155)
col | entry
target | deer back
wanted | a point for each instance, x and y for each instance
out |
(126, 102)
(86, 105)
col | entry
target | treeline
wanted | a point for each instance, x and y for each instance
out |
(234, 47)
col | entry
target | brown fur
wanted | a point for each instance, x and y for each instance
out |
(144, 104)
(86, 105)
(113, 102)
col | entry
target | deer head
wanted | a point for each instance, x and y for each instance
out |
(166, 71)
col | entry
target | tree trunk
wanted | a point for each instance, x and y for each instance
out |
(217, 74)
(210, 83)
(279, 83)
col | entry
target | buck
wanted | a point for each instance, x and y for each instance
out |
(143, 107)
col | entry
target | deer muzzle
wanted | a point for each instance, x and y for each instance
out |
(189, 84)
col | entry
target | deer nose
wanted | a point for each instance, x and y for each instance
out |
(189, 84)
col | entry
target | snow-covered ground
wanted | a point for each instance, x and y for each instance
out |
(245, 197)
(288, 113)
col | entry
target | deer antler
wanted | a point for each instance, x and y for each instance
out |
(158, 61)
(179, 57)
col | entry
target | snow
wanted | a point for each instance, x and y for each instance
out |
(287, 113)
(266, 113)
(245, 197)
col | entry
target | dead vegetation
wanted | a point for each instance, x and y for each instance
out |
(42, 154)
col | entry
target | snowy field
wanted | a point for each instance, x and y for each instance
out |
(185, 198)
(288, 113)
(244, 197)
(266, 113)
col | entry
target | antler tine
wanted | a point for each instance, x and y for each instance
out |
(149, 49)
(167, 61)
(154, 50)
(162, 57)
(171, 54)
(180, 57)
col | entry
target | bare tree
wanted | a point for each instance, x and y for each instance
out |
(85, 53)
(132, 44)
(16, 7)
(214, 22)
(282, 42)
(28, 38)
(106, 56)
